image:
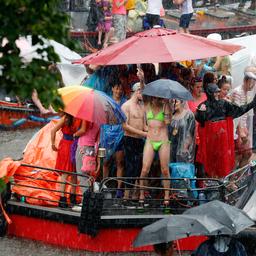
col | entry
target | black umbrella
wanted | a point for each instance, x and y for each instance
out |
(176, 227)
(167, 89)
(230, 216)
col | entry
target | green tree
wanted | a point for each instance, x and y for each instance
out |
(39, 19)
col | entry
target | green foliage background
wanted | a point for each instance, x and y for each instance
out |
(2, 185)
(40, 19)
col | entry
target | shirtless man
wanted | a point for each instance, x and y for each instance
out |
(134, 132)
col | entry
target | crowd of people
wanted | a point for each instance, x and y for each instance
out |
(159, 131)
(109, 18)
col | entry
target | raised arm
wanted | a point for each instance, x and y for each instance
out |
(236, 111)
(140, 75)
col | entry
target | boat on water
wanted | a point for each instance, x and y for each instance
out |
(107, 223)
(18, 116)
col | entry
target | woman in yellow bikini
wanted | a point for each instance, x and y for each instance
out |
(158, 117)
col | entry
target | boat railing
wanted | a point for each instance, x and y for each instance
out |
(239, 183)
(184, 193)
(102, 206)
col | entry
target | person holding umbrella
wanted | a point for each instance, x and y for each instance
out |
(214, 219)
(223, 243)
(95, 108)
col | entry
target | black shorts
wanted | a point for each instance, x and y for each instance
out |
(153, 19)
(185, 20)
(133, 155)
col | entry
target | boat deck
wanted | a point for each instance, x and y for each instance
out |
(115, 216)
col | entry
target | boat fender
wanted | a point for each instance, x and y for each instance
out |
(19, 122)
(50, 118)
(15, 124)
(37, 119)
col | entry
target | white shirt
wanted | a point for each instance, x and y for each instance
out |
(186, 7)
(240, 98)
(154, 7)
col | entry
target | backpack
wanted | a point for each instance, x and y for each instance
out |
(183, 170)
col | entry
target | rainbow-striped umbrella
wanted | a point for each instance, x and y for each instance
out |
(91, 105)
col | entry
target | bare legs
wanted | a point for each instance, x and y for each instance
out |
(99, 37)
(63, 184)
(164, 155)
(148, 156)
(184, 30)
(106, 39)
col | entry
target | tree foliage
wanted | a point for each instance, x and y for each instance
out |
(39, 19)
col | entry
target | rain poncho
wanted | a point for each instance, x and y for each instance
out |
(101, 79)
(216, 148)
(182, 136)
(111, 136)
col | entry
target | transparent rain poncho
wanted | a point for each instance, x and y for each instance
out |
(182, 136)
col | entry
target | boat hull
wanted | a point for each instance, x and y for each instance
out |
(67, 236)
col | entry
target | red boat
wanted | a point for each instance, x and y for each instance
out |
(18, 116)
(105, 223)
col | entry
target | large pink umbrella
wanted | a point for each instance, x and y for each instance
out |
(159, 45)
